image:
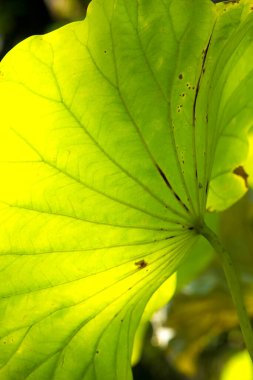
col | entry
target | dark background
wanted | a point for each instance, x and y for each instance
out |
(22, 18)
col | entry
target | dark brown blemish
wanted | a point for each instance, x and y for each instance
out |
(141, 264)
(177, 197)
(241, 173)
(163, 176)
(169, 185)
(204, 57)
(184, 206)
(180, 76)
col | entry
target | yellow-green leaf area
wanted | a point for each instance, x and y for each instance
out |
(106, 161)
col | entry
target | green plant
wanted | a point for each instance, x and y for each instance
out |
(117, 134)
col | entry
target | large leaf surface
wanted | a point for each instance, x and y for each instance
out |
(106, 157)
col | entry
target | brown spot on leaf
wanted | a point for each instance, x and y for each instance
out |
(180, 76)
(141, 264)
(241, 173)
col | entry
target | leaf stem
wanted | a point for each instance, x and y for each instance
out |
(234, 286)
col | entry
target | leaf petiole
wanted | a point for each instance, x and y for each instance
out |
(234, 286)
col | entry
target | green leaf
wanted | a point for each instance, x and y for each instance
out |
(106, 159)
(230, 107)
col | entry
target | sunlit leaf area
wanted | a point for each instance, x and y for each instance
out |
(124, 126)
